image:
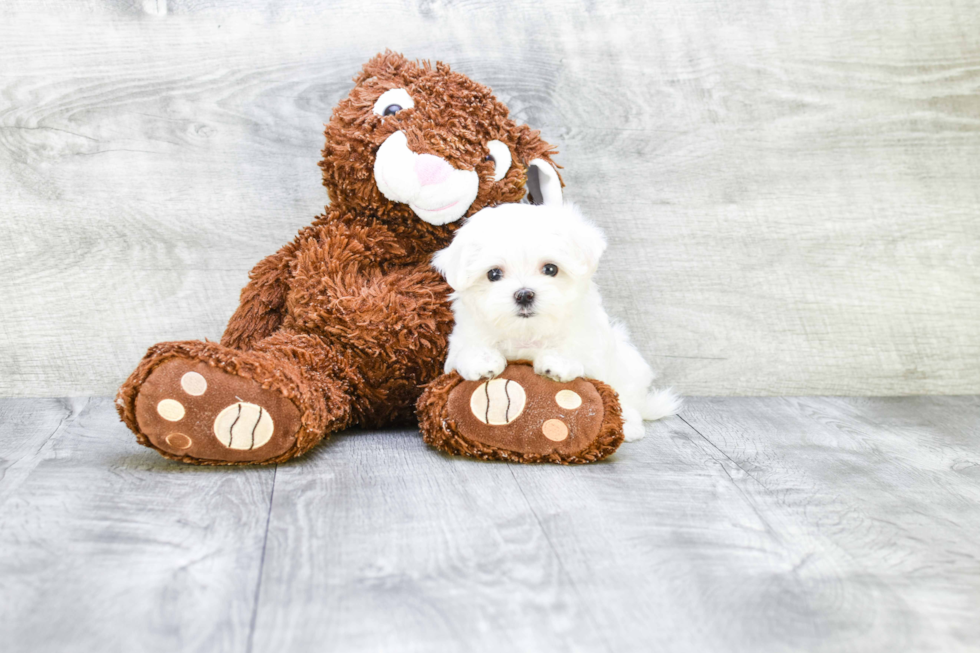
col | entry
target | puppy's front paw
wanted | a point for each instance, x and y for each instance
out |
(558, 367)
(480, 363)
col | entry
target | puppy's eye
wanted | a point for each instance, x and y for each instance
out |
(392, 101)
(550, 269)
(500, 155)
(495, 274)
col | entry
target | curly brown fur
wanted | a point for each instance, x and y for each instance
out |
(454, 118)
(348, 320)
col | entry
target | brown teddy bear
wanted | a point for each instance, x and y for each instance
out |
(346, 324)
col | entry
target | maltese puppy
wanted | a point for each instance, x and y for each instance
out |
(523, 289)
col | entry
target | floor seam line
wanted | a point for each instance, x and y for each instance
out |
(752, 504)
(258, 582)
(775, 497)
(37, 452)
(561, 563)
(727, 457)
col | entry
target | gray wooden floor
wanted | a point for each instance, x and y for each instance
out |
(770, 524)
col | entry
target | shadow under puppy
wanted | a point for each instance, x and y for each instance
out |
(522, 290)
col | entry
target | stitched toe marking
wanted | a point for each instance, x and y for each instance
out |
(171, 410)
(194, 384)
(555, 430)
(498, 401)
(568, 399)
(243, 425)
(179, 441)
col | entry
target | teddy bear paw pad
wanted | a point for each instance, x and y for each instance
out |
(528, 413)
(192, 409)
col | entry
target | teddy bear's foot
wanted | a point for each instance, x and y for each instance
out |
(522, 417)
(200, 402)
(189, 408)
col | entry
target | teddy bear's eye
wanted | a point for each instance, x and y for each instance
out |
(495, 274)
(392, 101)
(550, 269)
(500, 155)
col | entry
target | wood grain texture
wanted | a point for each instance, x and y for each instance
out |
(377, 543)
(874, 510)
(790, 188)
(106, 548)
(748, 525)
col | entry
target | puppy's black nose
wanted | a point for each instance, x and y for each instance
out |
(524, 297)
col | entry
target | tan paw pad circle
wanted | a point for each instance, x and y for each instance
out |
(568, 399)
(498, 401)
(194, 384)
(179, 441)
(171, 410)
(555, 430)
(243, 426)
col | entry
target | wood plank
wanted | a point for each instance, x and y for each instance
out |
(790, 189)
(26, 425)
(677, 542)
(106, 546)
(896, 504)
(677, 551)
(377, 543)
(745, 524)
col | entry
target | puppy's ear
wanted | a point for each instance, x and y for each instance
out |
(586, 240)
(451, 262)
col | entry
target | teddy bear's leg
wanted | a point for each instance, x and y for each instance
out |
(521, 417)
(204, 403)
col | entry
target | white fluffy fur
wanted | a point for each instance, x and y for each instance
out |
(567, 333)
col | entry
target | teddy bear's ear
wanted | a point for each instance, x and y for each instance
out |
(384, 64)
(543, 183)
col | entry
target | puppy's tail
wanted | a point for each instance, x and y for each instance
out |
(660, 403)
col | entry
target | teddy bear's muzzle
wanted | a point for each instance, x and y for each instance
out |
(437, 192)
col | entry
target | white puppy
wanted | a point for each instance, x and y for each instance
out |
(523, 289)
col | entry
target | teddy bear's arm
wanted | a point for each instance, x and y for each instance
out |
(263, 299)
(400, 312)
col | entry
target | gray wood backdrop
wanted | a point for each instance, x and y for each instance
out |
(791, 188)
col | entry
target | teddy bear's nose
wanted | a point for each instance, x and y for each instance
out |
(431, 169)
